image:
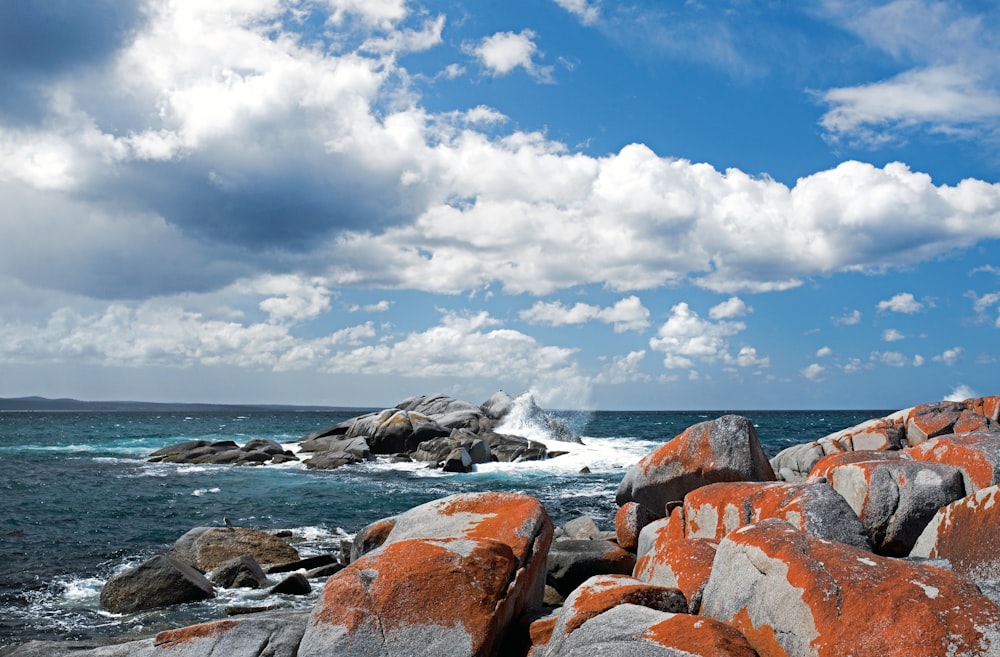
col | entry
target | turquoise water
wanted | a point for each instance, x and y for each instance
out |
(79, 501)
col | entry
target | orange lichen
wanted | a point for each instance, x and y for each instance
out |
(506, 517)
(977, 455)
(203, 631)
(762, 637)
(968, 534)
(862, 604)
(445, 582)
(594, 598)
(631, 518)
(701, 636)
(831, 461)
(541, 630)
(717, 509)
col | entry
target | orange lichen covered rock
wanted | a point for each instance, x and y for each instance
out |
(815, 508)
(895, 499)
(415, 597)
(629, 522)
(629, 630)
(827, 463)
(794, 595)
(682, 563)
(724, 449)
(977, 455)
(967, 534)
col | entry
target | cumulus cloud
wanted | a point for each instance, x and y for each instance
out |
(904, 302)
(949, 357)
(627, 314)
(983, 304)
(624, 369)
(503, 52)
(890, 358)
(824, 352)
(730, 308)
(587, 13)
(814, 372)
(686, 338)
(378, 307)
(892, 335)
(851, 318)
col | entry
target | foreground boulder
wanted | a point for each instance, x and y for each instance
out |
(447, 579)
(157, 582)
(815, 508)
(725, 449)
(967, 534)
(207, 548)
(895, 499)
(795, 595)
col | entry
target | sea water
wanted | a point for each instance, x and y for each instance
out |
(80, 502)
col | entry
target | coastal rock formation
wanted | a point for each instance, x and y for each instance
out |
(224, 452)
(724, 449)
(795, 595)
(906, 428)
(895, 499)
(967, 534)
(573, 561)
(207, 548)
(157, 582)
(630, 520)
(447, 580)
(814, 508)
(977, 455)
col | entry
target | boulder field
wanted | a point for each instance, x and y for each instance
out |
(882, 540)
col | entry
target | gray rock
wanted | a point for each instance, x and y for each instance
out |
(157, 582)
(294, 584)
(241, 572)
(206, 548)
(303, 564)
(458, 460)
(573, 561)
(582, 527)
(721, 450)
(618, 632)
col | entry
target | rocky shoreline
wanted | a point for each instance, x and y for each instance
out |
(880, 540)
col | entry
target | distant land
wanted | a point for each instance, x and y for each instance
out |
(57, 405)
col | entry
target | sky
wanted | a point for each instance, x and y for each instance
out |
(742, 204)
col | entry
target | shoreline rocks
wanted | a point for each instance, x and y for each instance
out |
(710, 555)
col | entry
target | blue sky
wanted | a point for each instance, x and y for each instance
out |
(665, 205)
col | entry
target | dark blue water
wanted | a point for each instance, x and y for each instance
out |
(79, 502)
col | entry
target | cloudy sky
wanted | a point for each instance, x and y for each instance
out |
(739, 204)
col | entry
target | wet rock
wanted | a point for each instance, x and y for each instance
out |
(157, 582)
(294, 584)
(303, 564)
(206, 548)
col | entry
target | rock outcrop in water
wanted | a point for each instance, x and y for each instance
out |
(726, 568)
(448, 433)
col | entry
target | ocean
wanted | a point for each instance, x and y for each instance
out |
(80, 502)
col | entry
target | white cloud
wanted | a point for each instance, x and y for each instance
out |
(854, 365)
(297, 299)
(587, 13)
(918, 361)
(890, 358)
(961, 393)
(892, 335)
(814, 372)
(503, 52)
(686, 338)
(949, 357)
(824, 352)
(729, 309)
(628, 314)
(904, 302)
(850, 319)
(408, 40)
(378, 307)
(383, 14)
(624, 369)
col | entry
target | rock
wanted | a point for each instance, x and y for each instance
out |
(303, 564)
(241, 572)
(325, 571)
(896, 499)
(630, 520)
(260, 637)
(828, 463)
(447, 411)
(437, 450)
(582, 527)
(725, 449)
(815, 508)
(331, 460)
(793, 594)
(370, 537)
(447, 596)
(794, 463)
(603, 592)
(458, 460)
(294, 584)
(573, 561)
(967, 534)
(497, 406)
(932, 420)
(223, 452)
(157, 582)
(977, 455)
(681, 563)
(207, 548)
(629, 630)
